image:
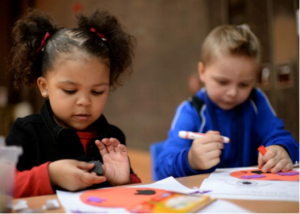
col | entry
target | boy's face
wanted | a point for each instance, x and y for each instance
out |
(77, 90)
(228, 79)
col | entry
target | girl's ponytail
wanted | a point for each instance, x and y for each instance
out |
(29, 34)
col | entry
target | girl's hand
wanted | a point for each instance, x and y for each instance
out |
(115, 166)
(275, 160)
(205, 151)
(72, 174)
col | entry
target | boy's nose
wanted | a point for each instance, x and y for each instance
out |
(233, 91)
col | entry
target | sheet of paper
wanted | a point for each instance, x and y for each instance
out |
(221, 206)
(225, 172)
(222, 185)
(72, 203)
(169, 183)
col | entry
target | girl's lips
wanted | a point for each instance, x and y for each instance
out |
(82, 116)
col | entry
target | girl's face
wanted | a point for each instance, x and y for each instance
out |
(229, 79)
(77, 91)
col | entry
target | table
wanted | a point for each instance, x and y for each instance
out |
(191, 181)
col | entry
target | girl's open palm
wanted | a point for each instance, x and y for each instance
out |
(115, 161)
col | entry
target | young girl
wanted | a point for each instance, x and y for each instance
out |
(232, 107)
(74, 69)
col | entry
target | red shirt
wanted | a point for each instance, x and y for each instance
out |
(36, 181)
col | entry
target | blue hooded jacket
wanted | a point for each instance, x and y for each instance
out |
(249, 125)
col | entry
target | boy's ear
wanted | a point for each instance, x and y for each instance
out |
(42, 84)
(201, 71)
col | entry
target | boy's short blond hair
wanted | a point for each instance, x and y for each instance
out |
(230, 40)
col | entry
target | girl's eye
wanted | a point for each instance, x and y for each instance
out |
(97, 92)
(69, 91)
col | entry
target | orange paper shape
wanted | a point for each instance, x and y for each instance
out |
(269, 176)
(145, 200)
(120, 197)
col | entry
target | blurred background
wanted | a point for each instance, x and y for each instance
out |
(169, 35)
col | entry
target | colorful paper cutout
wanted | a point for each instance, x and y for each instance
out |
(288, 173)
(257, 174)
(95, 199)
(253, 176)
(198, 191)
(139, 199)
(127, 197)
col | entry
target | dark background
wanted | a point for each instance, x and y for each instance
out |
(169, 36)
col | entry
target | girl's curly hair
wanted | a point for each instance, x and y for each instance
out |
(26, 64)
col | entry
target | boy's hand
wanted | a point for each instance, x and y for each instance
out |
(205, 151)
(275, 160)
(72, 174)
(115, 161)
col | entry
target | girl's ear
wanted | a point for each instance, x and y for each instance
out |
(201, 71)
(42, 84)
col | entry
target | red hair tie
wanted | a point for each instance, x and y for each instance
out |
(47, 35)
(99, 34)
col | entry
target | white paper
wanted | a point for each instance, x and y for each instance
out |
(72, 203)
(20, 205)
(169, 183)
(221, 206)
(51, 204)
(225, 186)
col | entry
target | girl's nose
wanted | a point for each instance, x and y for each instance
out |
(83, 100)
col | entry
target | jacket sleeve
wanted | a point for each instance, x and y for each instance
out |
(270, 129)
(30, 180)
(117, 133)
(173, 159)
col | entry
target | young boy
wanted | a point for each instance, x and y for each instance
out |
(230, 59)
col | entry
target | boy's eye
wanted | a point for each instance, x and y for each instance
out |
(243, 85)
(222, 82)
(69, 91)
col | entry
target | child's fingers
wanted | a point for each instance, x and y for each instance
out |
(269, 160)
(211, 139)
(213, 154)
(288, 167)
(85, 166)
(123, 149)
(115, 143)
(89, 179)
(101, 147)
(111, 144)
(282, 165)
(278, 167)
(269, 165)
(260, 161)
(104, 140)
(213, 146)
(213, 133)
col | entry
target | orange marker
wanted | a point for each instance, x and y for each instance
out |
(262, 150)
